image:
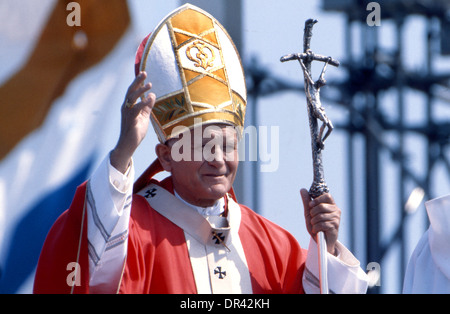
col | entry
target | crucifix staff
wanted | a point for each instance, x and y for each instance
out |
(318, 136)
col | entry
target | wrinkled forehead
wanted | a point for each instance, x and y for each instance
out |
(217, 130)
(207, 132)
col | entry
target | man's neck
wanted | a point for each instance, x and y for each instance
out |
(215, 210)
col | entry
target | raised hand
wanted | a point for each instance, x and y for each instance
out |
(135, 122)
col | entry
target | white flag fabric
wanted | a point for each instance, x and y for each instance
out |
(61, 88)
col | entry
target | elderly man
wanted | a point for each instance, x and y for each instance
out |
(187, 233)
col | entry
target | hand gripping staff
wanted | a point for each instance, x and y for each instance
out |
(316, 112)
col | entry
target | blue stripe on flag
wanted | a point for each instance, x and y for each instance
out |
(29, 236)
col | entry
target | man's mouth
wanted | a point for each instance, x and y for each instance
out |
(212, 175)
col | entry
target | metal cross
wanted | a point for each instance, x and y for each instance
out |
(315, 110)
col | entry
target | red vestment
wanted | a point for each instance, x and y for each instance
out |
(158, 258)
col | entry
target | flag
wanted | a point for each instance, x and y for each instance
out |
(65, 67)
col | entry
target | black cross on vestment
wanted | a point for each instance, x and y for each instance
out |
(219, 237)
(150, 193)
(219, 271)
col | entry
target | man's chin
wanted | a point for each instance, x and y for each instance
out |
(217, 191)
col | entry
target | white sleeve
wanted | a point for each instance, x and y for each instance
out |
(109, 195)
(345, 275)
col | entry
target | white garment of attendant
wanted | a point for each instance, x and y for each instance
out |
(109, 199)
(428, 270)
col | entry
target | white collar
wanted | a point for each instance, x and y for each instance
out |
(216, 210)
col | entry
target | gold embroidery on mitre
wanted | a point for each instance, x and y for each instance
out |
(206, 94)
(204, 57)
(170, 109)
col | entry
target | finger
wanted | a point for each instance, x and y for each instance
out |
(138, 80)
(306, 199)
(147, 104)
(141, 91)
(325, 209)
(133, 97)
(325, 218)
(137, 88)
(326, 227)
(326, 198)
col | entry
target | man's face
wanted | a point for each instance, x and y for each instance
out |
(203, 163)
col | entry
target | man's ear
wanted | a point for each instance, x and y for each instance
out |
(163, 152)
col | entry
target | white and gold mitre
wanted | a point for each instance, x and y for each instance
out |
(196, 73)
